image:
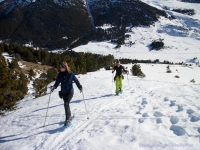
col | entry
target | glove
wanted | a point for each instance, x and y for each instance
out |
(52, 88)
(81, 89)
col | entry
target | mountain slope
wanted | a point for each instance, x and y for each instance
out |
(56, 24)
(123, 13)
(45, 23)
(191, 1)
(180, 34)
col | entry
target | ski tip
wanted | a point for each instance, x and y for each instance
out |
(66, 127)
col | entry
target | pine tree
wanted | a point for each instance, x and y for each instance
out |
(51, 74)
(168, 69)
(136, 71)
(13, 64)
(17, 57)
(40, 87)
(8, 82)
(91, 62)
(32, 73)
(81, 63)
(1, 48)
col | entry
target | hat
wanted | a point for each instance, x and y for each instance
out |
(63, 65)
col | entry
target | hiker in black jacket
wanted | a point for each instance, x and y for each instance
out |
(66, 78)
(118, 76)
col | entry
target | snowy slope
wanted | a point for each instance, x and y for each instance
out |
(181, 36)
(159, 111)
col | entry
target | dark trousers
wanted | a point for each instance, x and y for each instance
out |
(67, 98)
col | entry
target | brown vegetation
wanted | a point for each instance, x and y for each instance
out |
(36, 67)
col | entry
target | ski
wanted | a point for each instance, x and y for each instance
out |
(70, 125)
(121, 92)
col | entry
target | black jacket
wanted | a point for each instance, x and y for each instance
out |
(119, 70)
(66, 79)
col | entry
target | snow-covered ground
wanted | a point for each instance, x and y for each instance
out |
(156, 112)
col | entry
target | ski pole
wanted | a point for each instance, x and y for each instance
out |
(128, 82)
(112, 82)
(47, 108)
(85, 106)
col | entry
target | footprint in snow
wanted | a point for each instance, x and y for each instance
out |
(144, 102)
(140, 108)
(174, 119)
(199, 130)
(166, 99)
(138, 112)
(194, 119)
(106, 123)
(145, 115)
(180, 108)
(190, 111)
(126, 127)
(158, 114)
(141, 120)
(172, 103)
(178, 130)
(155, 108)
(158, 120)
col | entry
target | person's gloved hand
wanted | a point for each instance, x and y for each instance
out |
(52, 88)
(81, 89)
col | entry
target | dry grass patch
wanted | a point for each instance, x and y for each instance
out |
(29, 65)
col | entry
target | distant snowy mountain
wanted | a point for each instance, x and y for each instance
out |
(180, 34)
(46, 23)
(9, 5)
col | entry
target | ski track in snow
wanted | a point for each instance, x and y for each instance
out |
(158, 109)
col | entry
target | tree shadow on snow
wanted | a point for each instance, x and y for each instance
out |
(44, 108)
(4, 139)
(9, 136)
